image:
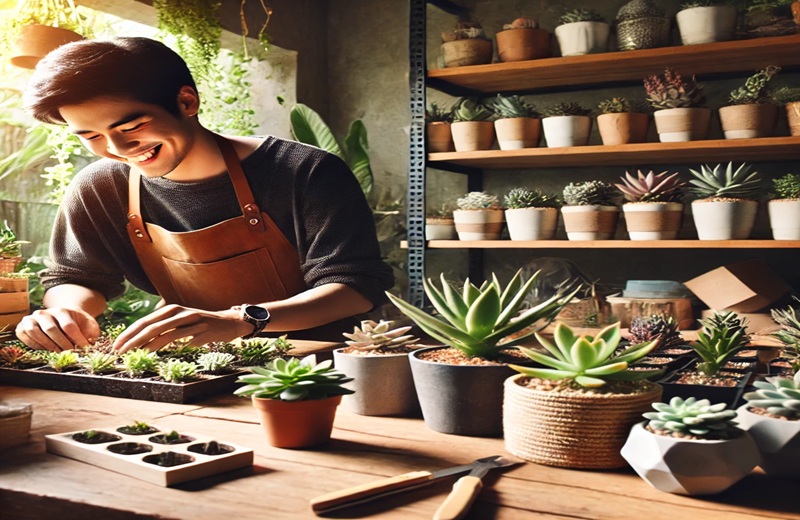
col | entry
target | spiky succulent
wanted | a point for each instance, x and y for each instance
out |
(691, 417)
(436, 113)
(59, 361)
(260, 351)
(590, 193)
(294, 380)
(479, 320)
(215, 361)
(478, 200)
(786, 95)
(724, 182)
(778, 396)
(589, 361)
(139, 361)
(16, 356)
(512, 106)
(470, 109)
(788, 334)
(721, 336)
(518, 198)
(379, 336)
(671, 90)
(566, 108)
(617, 105)
(653, 187)
(754, 90)
(787, 186)
(656, 326)
(580, 15)
(176, 371)
(99, 362)
(9, 244)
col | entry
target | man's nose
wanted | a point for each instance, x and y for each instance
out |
(121, 146)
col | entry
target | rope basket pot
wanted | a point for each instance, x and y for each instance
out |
(15, 429)
(571, 429)
(7, 265)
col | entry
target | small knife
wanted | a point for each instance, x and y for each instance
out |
(466, 489)
(389, 486)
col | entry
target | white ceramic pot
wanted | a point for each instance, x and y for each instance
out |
(706, 24)
(682, 124)
(478, 224)
(777, 440)
(784, 218)
(532, 223)
(653, 220)
(590, 222)
(580, 38)
(515, 133)
(724, 219)
(560, 131)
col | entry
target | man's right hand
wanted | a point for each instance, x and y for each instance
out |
(58, 329)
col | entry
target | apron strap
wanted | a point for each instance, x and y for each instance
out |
(135, 222)
(250, 210)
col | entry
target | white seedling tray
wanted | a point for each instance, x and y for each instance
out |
(136, 466)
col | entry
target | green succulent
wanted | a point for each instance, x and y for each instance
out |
(692, 417)
(260, 351)
(513, 106)
(436, 113)
(478, 200)
(99, 362)
(653, 187)
(379, 336)
(566, 109)
(725, 182)
(9, 244)
(656, 326)
(700, 3)
(139, 361)
(580, 15)
(788, 186)
(59, 361)
(176, 370)
(671, 90)
(214, 361)
(754, 90)
(589, 361)
(181, 350)
(617, 105)
(479, 320)
(777, 395)
(721, 336)
(786, 95)
(518, 198)
(294, 380)
(590, 193)
(16, 356)
(788, 334)
(469, 109)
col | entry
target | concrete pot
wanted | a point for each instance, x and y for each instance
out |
(297, 424)
(724, 219)
(623, 128)
(532, 223)
(784, 218)
(469, 136)
(461, 53)
(523, 44)
(778, 442)
(440, 229)
(748, 121)
(793, 117)
(515, 133)
(382, 383)
(653, 220)
(478, 224)
(562, 131)
(590, 222)
(682, 124)
(706, 24)
(578, 38)
(438, 137)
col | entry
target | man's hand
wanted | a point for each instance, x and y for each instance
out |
(58, 329)
(174, 322)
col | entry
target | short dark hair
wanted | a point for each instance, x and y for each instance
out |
(140, 68)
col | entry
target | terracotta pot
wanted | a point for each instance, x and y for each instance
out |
(784, 218)
(515, 133)
(523, 44)
(724, 219)
(748, 121)
(561, 131)
(532, 223)
(793, 117)
(590, 222)
(298, 424)
(579, 38)
(682, 124)
(461, 53)
(438, 137)
(708, 24)
(36, 41)
(653, 220)
(623, 128)
(469, 136)
(478, 224)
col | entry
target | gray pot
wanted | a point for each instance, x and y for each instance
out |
(460, 399)
(382, 384)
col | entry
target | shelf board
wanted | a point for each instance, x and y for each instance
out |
(718, 150)
(610, 67)
(610, 244)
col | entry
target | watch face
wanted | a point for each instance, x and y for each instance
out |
(256, 312)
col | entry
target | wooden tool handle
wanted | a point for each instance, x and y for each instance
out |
(365, 492)
(460, 498)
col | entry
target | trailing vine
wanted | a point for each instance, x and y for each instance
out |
(196, 28)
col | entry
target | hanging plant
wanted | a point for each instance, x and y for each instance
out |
(262, 36)
(227, 104)
(196, 28)
(63, 14)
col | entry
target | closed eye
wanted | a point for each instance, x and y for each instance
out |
(132, 128)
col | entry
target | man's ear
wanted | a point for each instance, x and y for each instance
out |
(188, 101)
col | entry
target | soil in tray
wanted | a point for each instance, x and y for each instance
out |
(210, 448)
(129, 448)
(696, 378)
(95, 437)
(137, 429)
(168, 459)
(171, 438)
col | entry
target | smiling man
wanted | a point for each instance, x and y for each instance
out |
(238, 235)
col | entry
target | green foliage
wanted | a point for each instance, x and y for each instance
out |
(9, 244)
(512, 106)
(59, 361)
(787, 186)
(671, 90)
(566, 109)
(470, 109)
(196, 28)
(692, 417)
(589, 361)
(754, 90)
(176, 371)
(590, 193)
(727, 183)
(653, 187)
(66, 149)
(379, 336)
(615, 106)
(518, 198)
(436, 113)
(128, 308)
(56, 13)
(719, 339)
(777, 395)
(789, 333)
(99, 362)
(294, 380)
(260, 351)
(656, 326)
(225, 91)
(215, 361)
(479, 320)
(580, 15)
(139, 362)
(478, 200)
(19, 356)
(785, 95)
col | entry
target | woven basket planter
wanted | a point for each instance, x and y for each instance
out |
(571, 430)
(15, 429)
(7, 265)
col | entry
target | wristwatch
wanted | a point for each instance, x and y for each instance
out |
(256, 316)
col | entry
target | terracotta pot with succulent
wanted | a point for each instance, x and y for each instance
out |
(376, 358)
(590, 210)
(479, 216)
(567, 124)
(296, 400)
(725, 206)
(653, 209)
(789, 98)
(582, 31)
(622, 122)
(467, 44)
(15, 424)
(460, 385)
(690, 447)
(749, 111)
(10, 250)
(438, 137)
(705, 21)
(440, 225)
(642, 24)
(772, 417)
(784, 208)
(531, 214)
(522, 40)
(517, 124)
(472, 127)
(577, 411)
(680, 114)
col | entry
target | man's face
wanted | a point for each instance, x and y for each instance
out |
(145, 136)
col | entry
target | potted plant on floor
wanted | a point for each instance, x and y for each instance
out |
(437, 128)
(577, 410)
(725, 206)
(517, 124)
(749, 111)
(467, 44)
(705, 21)
(582, 31)
(784, 208)
(789, 98)
(621, 122)
(440, 225)
(296, 400)
(641, 24)
(590, 210)
(690, 447)
(479, 216)
(472, 127)
(460, 385)
(566, 124)
(653, 209)
(522, 40)
(531, 214)
(680, 114)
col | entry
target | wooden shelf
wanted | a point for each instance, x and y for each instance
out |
(610, 244)
(720, 150)
(610, 67)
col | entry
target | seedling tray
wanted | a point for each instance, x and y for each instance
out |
(138, 456)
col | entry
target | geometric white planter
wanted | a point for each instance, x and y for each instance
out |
(784, 218)
(531, 223)
(689, 466)
(478, 224)
(724, 220)
(578, 38)
(560, 131)
(777, 440)
(706, 24)
(653, 220)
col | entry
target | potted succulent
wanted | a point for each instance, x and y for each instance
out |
(15, 424)
(566, 124)
(641, 24)
(771, 415)
(621, 122)
(789, 97)
(472, 126)
(653, 209)
(466, 44)
(440, 225)
(590, 210)
(672, 347)
(531, 214)
(705, 21)
(521, 40)
(577, 409)
(438, 137)
(725, 206)
(789, 336)
(517, 124)
(784, 208)
(680, 114)
(296, 400)
(749, 111)
(10, 250)
(479, 216)
(690, 447)
(460, 385)
(582, 31)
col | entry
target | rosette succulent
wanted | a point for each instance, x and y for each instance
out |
(671, 90)
(654, 327)
(512, 106)
(722, 335)
(518, 198)
(590, 193)
(725, 182)
(777, 396)
(566, 109)
(653, 187)
(478, 200)
(469, 109)
(294, 380)
(379, 336)
(690, 417)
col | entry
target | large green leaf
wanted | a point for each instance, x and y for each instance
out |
(308, 127)
(356, 151)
